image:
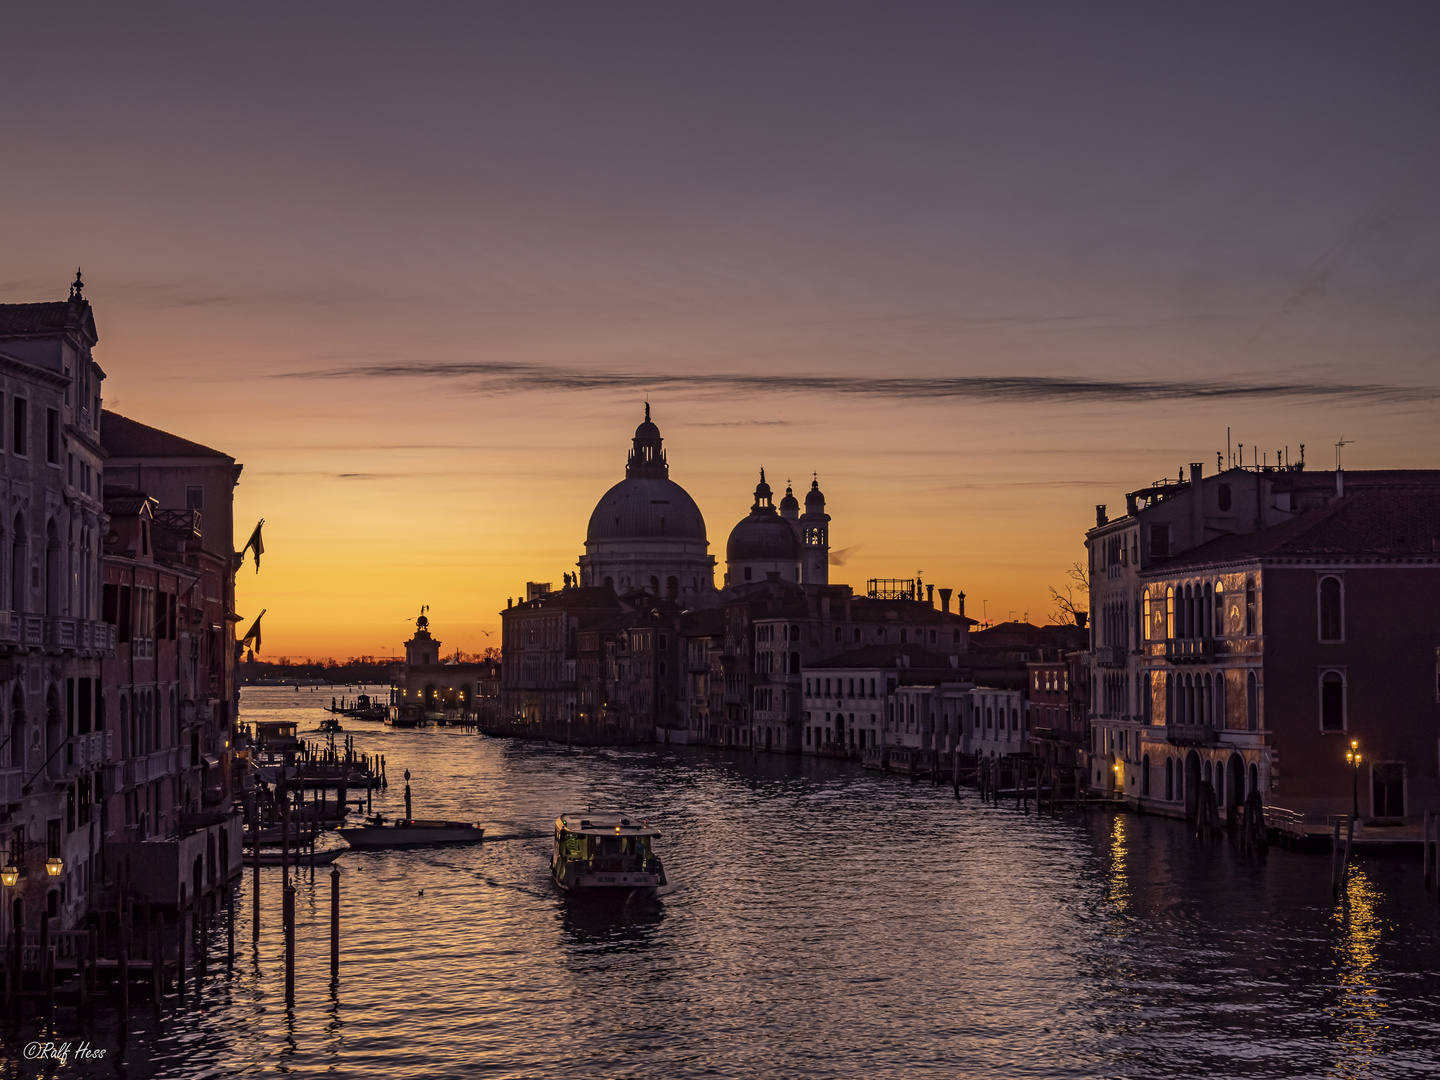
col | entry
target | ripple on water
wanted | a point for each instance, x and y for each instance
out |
(828, 922)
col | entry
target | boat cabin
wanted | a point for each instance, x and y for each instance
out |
(275, 736)
(608, 842)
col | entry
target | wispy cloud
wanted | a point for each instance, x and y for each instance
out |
(501, 377)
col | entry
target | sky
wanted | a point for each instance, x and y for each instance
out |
(978, 266)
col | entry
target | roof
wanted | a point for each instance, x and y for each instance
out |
(876, 656)
(646, 507)
(602, 824)
(1372, 523)
(125, 438)
(28, 320)
(571, 598)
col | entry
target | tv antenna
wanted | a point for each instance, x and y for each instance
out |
(1338, 447)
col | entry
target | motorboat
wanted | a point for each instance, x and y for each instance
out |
(605, 854)
(411, 832)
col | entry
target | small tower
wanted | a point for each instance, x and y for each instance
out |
(790, 509)
(422, 649)
(815, 538)
(647, 453)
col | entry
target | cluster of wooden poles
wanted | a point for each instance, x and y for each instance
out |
(145, 937)
(1026, 780)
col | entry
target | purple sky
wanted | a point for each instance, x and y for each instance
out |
(981, 266)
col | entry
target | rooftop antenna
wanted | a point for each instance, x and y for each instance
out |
(1338, 447)
(1228, 455)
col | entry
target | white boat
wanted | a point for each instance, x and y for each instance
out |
(605, 854)
(411, 832)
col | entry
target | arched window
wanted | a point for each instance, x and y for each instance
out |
(127, 746)
(1252, 702)
(1219, 610)
(1147, 708)
(1145, 776)
(1169, 613)
(1169, 779)
(1206, 620)
(1332, 701)
(1332, 612)
(1145, 621)
(1250, 622)
(1219, 699)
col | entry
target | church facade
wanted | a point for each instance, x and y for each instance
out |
(640, 644)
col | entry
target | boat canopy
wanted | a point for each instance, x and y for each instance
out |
(590, 824)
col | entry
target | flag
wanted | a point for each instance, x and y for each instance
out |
(257, 543)
(254, 632)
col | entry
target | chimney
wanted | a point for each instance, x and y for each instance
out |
(930, 595)
(960, 605)
(1339, 483)
(1196, 469)
(509, 601)
(1130, 504)
(945, 600)
(1100, 518)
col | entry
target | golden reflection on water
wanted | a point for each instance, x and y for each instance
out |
(1117, 885)
(1359, 1007)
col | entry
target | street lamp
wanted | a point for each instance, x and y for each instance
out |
(9, 875)
(1353, 757)
(54, 867)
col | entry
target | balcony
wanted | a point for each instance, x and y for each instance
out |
(149, 767)
(1110, 656)
(1189, 650)
(1190, 734)
(11, 781)
(88, 751)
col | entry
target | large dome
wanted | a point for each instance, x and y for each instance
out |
(645, 507)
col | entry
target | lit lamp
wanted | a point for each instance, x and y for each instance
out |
(9, 875)
(1353, 757)
(54, 867)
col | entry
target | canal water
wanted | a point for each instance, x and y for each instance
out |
(829, 922)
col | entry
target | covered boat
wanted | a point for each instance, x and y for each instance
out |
(601, 854)
(411, 832)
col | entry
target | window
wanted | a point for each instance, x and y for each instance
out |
(1249, 607)
(1219, 610)
(1145, 776)
(1169, 613)
(747, 573)
(1169, 779)
(19, 428)
(1224, 493)
(1332, 701)
(1387, 789)
(1332, 612)
(52, 436)
(1159, 540)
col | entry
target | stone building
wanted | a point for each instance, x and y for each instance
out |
(451, 691)
(169, 571)
(56, 746)
(1246, 626)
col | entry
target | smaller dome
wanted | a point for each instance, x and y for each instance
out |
(762, 538)
(815, 498)
(789, 505)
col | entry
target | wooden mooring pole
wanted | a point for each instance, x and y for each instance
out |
(289, 919)
(334, 922)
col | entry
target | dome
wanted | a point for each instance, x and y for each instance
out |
(814, 498)
(645, 507)
(762, 538)
(789, 505)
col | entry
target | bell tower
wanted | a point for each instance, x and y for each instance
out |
(815, 538)
(422, 649)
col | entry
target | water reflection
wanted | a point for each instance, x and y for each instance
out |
(1359, 1005)
(832, 923)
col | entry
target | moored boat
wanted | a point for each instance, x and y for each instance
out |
(411, 832)
(605, 854)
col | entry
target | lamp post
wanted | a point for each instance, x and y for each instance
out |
(1353, 757)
